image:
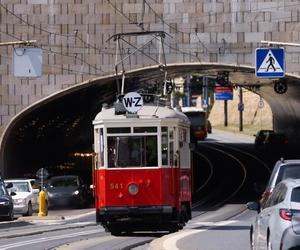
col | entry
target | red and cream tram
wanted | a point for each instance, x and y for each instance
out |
(142, 169)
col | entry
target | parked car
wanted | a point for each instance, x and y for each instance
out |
(277, 225)
(6, 202)
(67, 191)
(26, 198)
(282, 170)
(260, 137)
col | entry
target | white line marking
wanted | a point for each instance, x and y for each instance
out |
(170, 242)
(34, 241)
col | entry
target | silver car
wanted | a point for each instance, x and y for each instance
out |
(26, 196)
(277, 225)
(282, 170)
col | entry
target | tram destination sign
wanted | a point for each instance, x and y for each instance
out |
(133, 102)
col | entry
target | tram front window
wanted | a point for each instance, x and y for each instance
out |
(132, 151)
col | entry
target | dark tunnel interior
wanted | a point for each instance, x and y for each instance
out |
(52, 135)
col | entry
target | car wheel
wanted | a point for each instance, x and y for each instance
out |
(29, 210)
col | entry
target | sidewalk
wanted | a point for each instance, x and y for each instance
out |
(58, 215)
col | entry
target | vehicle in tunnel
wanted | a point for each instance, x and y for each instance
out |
(275, 142)
(67, 191)
(283, 169)
(260, 137)
(199, 123)
(142, 169)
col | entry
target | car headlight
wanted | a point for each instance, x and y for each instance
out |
(19, 201)
(133, 189)
(76, 192)
(4, 203)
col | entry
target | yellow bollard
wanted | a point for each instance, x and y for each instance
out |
(42, 203)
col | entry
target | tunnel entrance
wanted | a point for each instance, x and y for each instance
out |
(57, 136)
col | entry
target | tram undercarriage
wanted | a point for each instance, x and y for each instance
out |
(150, 218)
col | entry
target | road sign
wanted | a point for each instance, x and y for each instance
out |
(223, 93)
(42, 173)
(27, 62)
(270, 62)
(133, 102)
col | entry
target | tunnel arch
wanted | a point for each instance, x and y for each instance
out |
(58, 113)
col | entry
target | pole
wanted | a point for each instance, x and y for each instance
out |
(225, 114)
(241, 108)
(188, 90)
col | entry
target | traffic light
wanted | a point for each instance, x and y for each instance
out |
(223, 78)
(169, 87)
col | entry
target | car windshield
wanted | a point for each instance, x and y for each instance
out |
(288, 171)
(19, 187)
(66, 182)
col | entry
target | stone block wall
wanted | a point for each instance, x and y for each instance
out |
(73, 35)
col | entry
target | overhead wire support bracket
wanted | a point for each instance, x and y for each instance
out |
(270, 43)
(28, 42)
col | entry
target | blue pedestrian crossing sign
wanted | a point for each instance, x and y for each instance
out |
(270, 62)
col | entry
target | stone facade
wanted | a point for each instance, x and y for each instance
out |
(73, 35)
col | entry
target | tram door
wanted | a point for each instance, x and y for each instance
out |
(173, 161)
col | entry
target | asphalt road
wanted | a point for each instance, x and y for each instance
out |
(212, 228)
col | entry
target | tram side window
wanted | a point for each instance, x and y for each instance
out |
(99, 148)
(132, 151)
(164, 145)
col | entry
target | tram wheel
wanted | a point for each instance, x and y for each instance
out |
(174, 228)
(115, 231)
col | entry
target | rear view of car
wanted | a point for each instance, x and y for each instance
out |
(260, 137)
(291, 236)
(275, 141)
(277, 225)
(282, 170)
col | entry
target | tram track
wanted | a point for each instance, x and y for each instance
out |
(213, 192)
(213, 198)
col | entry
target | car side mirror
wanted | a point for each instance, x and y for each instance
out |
(253, 205)
(9, 185)
(12, 193)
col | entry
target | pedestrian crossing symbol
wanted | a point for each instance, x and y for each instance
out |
(270, 62)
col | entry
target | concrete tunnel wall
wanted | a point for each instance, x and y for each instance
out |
(284, 106)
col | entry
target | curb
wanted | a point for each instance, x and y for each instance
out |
(39, 218)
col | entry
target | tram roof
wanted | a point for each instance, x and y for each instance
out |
(146, 112)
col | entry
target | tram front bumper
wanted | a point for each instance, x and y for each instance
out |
(105, 214)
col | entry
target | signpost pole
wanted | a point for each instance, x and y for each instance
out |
(241, 108)
(225, 114)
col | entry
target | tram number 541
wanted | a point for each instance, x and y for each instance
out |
(133, 102)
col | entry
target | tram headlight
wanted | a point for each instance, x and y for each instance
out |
(133, 189)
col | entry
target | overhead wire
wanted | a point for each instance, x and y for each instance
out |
(62, 54)
(158, 16)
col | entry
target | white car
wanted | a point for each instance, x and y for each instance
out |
(277, 225)
(26, 198)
